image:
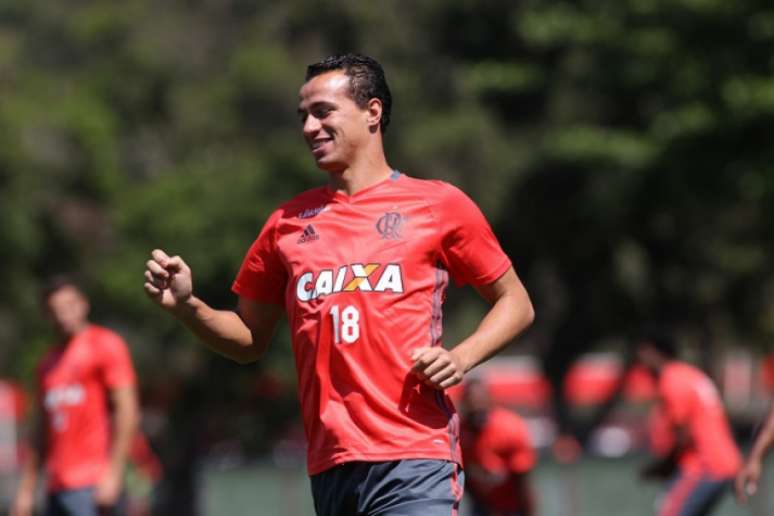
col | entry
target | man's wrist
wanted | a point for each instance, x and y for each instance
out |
(187, 309)
(463, 358)
(756, 455)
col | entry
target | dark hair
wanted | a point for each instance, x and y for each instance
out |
(366, 80)
(56, 283)
(660, 339)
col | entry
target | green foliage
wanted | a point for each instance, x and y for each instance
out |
(620, 148)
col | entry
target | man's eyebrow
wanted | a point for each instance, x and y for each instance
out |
(318, 104)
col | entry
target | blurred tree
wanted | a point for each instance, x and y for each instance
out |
(621, 146)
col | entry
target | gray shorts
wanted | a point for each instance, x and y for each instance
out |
(80, 502)
(410, 487)
(692, 495)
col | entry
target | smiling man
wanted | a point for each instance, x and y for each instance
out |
(360, 266)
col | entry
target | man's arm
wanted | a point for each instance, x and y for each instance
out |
(664, 466)
(242, 337)
(25, 494)
(747, 479)
(126, 416)
(511, 313)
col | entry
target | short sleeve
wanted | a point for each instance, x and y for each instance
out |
(115, 361)
(661, 435)
(262, 276)
(676, 396)
(469, 248)
(522, 455)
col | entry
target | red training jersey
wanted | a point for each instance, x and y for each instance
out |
(493, 455)
(75, 380)
(362, 279)
(691, 400)
(661, 434)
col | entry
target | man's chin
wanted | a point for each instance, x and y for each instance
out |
(330, 166)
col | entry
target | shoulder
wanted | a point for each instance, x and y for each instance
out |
(104, 338)
(307, 204)
(508, 429)
(444, 200)
(45, 362)
(507, 419)
(677, 375)
(434, 190)
(677, 369)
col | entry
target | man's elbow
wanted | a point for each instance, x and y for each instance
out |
(129, 414)
(133, 423)
(527, 313)
(252, 353)
(529, 316)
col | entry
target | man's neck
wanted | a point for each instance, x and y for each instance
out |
(351, 184)
(371, 169)
(63, 339)
(658, 368)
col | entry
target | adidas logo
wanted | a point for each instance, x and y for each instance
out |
(309, 235)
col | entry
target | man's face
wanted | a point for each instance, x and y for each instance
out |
(335, 128)
(476, 402)
(648, 356)
(68, 309)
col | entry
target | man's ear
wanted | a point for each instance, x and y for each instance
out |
(374, 109)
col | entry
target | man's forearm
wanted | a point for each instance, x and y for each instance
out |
(223, 331)
(126, 419)
(764, 439)
(35, 451)
(29, 473)
(508, 317)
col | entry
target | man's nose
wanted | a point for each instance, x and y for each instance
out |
(311, 125)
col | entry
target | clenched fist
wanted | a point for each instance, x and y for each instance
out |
(168, 280)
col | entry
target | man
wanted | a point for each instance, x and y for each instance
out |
(360, 267)
(703, 458)
(750, 474)
(87, 405)
(498, 456)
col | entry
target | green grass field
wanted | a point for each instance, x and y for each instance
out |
(593, 487)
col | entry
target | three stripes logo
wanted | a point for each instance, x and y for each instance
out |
(309, 235)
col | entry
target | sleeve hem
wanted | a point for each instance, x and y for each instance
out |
(492, 276)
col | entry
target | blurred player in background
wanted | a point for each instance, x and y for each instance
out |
(698, 453)
(498, 456)
(360, 268)
(748, 478)
(87, 413)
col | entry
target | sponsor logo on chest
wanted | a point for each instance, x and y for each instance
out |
(66, 395)
(371, 277)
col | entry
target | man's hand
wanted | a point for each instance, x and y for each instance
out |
(108, 489)
(168, 280)
(746, 483)
(660, 469)
(437, 367)
(23, 504)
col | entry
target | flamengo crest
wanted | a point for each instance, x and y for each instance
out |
(389, 225)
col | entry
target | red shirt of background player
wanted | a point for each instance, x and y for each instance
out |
(493, 455)
(690, 400)
(74, 384)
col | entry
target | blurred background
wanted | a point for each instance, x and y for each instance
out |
(622, 150)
